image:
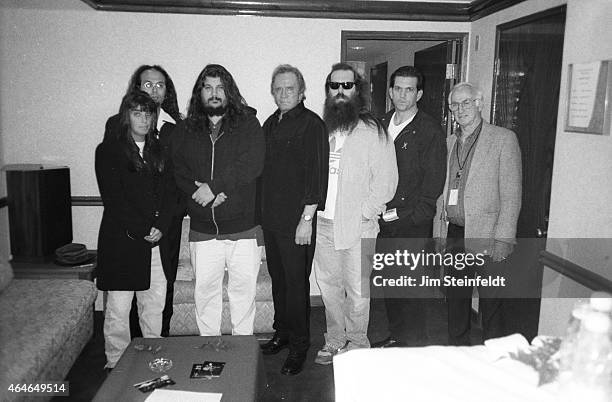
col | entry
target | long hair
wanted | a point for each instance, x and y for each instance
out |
(170, 103)
(236, 105)
(151, 156)
(362, 93)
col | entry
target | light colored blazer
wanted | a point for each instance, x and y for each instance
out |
(492, 197)
(367, 180)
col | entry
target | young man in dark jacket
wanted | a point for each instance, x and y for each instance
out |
(217, 160)
(407, 224)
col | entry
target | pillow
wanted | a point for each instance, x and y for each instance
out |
(6, 275)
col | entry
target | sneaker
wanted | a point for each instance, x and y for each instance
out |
(326, 355)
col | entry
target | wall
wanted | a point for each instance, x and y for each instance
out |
(398, 58)
(65, 67)
(581, 187)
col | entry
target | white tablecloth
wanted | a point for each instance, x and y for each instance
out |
(435, 373)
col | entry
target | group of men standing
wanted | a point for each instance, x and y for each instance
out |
(327, 182)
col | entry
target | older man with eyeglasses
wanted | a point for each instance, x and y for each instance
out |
(479, 208)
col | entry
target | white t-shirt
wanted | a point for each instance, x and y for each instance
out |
(140, 145)
(336, 141)
(163, 118)
(394, 130)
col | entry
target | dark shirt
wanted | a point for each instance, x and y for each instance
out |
(460, 160)
(296, 168)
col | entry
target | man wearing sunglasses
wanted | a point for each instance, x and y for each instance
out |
(407, 223)
(362, 178)
(478, 210)
(156, 82)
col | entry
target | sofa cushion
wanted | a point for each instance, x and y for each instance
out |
(6, 275)
(38, 317)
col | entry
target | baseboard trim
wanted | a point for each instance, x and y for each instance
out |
(576, 272)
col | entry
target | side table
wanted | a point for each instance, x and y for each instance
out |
(49, 270)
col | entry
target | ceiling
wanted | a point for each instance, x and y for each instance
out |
(415, 10)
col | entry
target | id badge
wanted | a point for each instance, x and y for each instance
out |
(390, 215)
(453, 196)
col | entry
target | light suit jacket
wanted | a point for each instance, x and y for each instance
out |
(492, 197)
(367, 180)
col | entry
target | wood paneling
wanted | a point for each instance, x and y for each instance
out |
(375, 10)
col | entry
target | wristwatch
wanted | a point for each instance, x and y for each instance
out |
(307, 218)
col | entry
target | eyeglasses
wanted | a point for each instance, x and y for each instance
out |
(150, 85)
(466, 104)
(336, 85)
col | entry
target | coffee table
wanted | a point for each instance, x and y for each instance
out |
(242, 379)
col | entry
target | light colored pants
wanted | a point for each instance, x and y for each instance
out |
(209, 259)
(150, 306)
(344, 286)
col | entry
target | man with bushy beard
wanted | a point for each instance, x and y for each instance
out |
(362, 178)
(220, 155)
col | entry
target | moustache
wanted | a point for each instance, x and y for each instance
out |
(341, 96)
(213, 98)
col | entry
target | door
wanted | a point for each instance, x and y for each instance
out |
(440, 66)
(525, 100)
(378, 81)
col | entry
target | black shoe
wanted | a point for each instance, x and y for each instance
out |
(274, 345)
(389, 343)
(294, 363)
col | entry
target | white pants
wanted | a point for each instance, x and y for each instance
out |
(150, 306)
(209, 259)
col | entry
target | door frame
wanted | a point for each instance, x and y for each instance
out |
(461, 37)
(513, 24)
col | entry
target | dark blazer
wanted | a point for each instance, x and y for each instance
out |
(420, 151)
(131, 200)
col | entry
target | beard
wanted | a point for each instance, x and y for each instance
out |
(214, 110)
(341, 115)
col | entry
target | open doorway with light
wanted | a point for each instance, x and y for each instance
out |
(440, 56)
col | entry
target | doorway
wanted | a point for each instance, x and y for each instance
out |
(526, 87)
(439, 56)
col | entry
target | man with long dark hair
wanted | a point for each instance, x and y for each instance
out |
(156, 82)
(220, 155)
(362, 178)
(137, 191)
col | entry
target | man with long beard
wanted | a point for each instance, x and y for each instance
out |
(362, 178)
(220, 155)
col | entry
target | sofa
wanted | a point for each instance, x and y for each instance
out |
(44, 325)
(183, 320)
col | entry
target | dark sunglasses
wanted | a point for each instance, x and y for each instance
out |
(336, 85)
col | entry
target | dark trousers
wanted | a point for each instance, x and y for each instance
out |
(496, 313)
(289, 266)
(406, 309)
(169, 247)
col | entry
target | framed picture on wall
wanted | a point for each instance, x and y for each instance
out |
(589, 92)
